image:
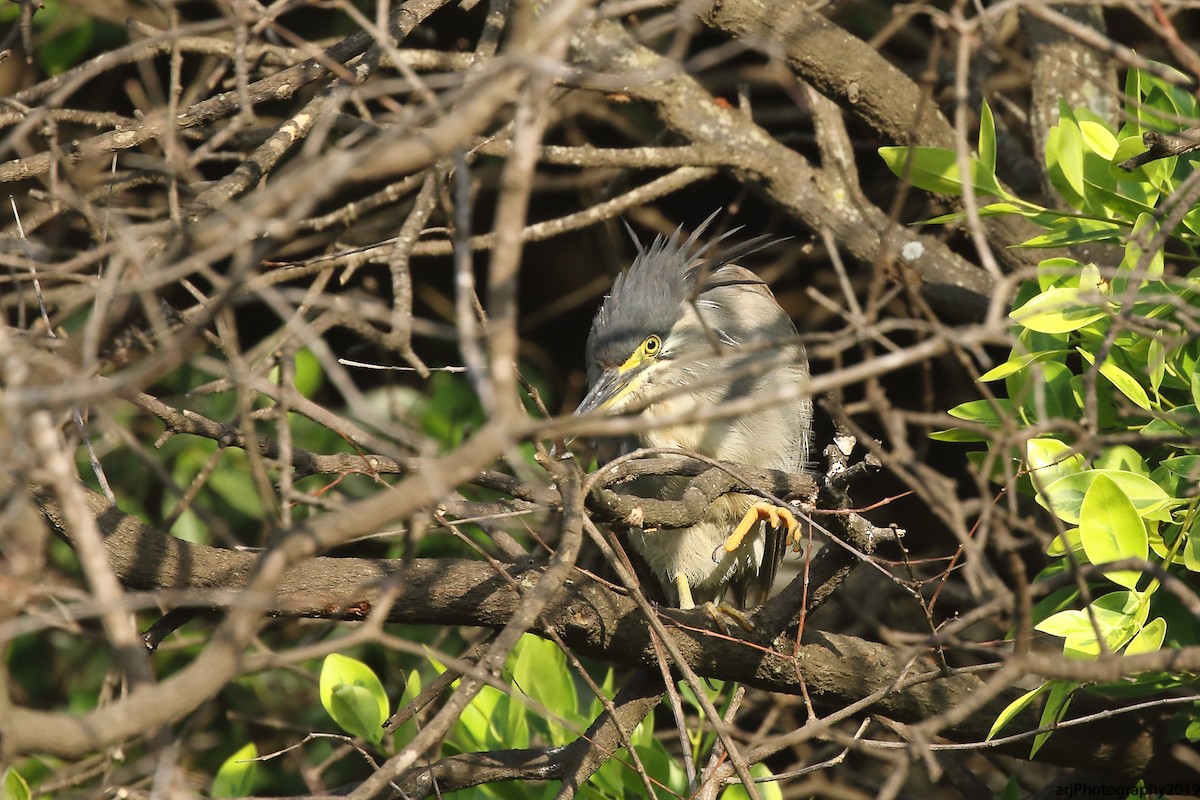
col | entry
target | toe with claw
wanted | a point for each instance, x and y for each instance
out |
(773, 515)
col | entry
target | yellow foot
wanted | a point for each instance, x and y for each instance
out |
(773, 515)
(721, 614)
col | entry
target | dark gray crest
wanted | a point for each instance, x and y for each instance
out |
(648, 298)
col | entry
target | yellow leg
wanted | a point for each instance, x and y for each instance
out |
(685, 592)
(773, 515)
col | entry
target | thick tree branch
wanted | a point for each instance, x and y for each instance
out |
(596, 621)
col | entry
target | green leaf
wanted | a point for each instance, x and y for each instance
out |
(935, 169)
(1011, 790)
(13, 786)
(406, 732)
(1125, 383)
(1066, 624)
(1191, 549)
(986, 412)
(958, 435)
(1111, 530)
(1073, 230)
(1149, 639)
(1064, 156)
(1028, 210)
(1064, 497)
(1059, 310)
(540, 671)
(1144, 229)
(1118, 616)
(1068, 540)
(1055, 272)
(1121, 457)
(236, 776)
(1181, 420)
(1127, 148)
(1049, 459)
(1055, 710)
(768, 790)
(1098, 138)
(1014, 708)
(352, 694)
(987, 138)
(1017, 363)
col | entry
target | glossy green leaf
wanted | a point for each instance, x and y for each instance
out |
(1014, 708)
(1028, 210)
(1056, 272)
(1054, 711)
(352, 694)
(1049, 459)
(406, 732)
(1067, 540)
(957, 435)
(1118, 617)
(540, 670)
(1064, 156)
(935, 169)
(1149, 639)
(1179, 421)
(985, 412)
(1144, 229)
(1111, 530)
(1127, 148)
(1121, 457)
(1073, 230)
(1064, 497)
(13, 786)
(1098, 138)
(987, 138)
(236, 776)
(1059, 310)
(1125, 383)
(1017, 363)
(767, 790)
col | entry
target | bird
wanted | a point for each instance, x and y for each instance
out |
(685, 329)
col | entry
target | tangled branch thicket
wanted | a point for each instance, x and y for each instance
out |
(218, 214)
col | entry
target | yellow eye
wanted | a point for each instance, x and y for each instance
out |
(652, 345)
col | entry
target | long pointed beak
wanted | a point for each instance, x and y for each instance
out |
(609, 390)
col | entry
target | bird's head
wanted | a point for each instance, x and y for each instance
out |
(669, 317)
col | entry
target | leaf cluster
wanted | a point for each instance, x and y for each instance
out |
(1098, 419)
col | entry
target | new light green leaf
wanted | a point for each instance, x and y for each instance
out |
(1072, 230)
(1049, 459)
(1125, 383)
(13, 786)
(1055, 710)
(236, 776)
(1098, 138)
(352, 694)
(1110, 529)
(1017, 363)
(1014, 708)
(987, 138)
(1149, 639)
(1064, 497)
(1064, 156)
(935, 169)
(1118, 617)
(1059, 310)
(985, 412)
